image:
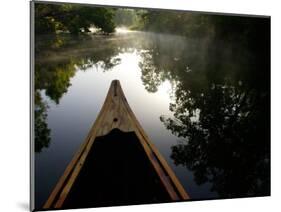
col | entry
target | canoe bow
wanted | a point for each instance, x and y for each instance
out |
(115, 113)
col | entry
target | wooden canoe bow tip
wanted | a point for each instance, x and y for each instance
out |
(116, 114)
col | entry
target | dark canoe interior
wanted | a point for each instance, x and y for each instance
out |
(116, 172)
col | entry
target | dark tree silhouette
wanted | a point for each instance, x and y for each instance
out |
(226, 132)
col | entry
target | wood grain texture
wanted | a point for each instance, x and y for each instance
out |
(115, 113)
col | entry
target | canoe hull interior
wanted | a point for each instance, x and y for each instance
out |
(117, 172)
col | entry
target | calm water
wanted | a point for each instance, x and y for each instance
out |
(203, 103)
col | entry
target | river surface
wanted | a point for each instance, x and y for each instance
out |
(174, 85)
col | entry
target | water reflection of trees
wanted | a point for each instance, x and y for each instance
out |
(54, 79)
(221, 110)
(42, 132)
(226, 139)
(55, 65)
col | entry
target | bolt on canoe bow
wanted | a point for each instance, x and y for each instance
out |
(116, 165)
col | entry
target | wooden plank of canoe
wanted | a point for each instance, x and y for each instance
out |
(116, 113)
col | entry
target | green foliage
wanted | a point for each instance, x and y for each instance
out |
(76, 19)
(55, 79)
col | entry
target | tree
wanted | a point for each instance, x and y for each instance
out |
(76, 19)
